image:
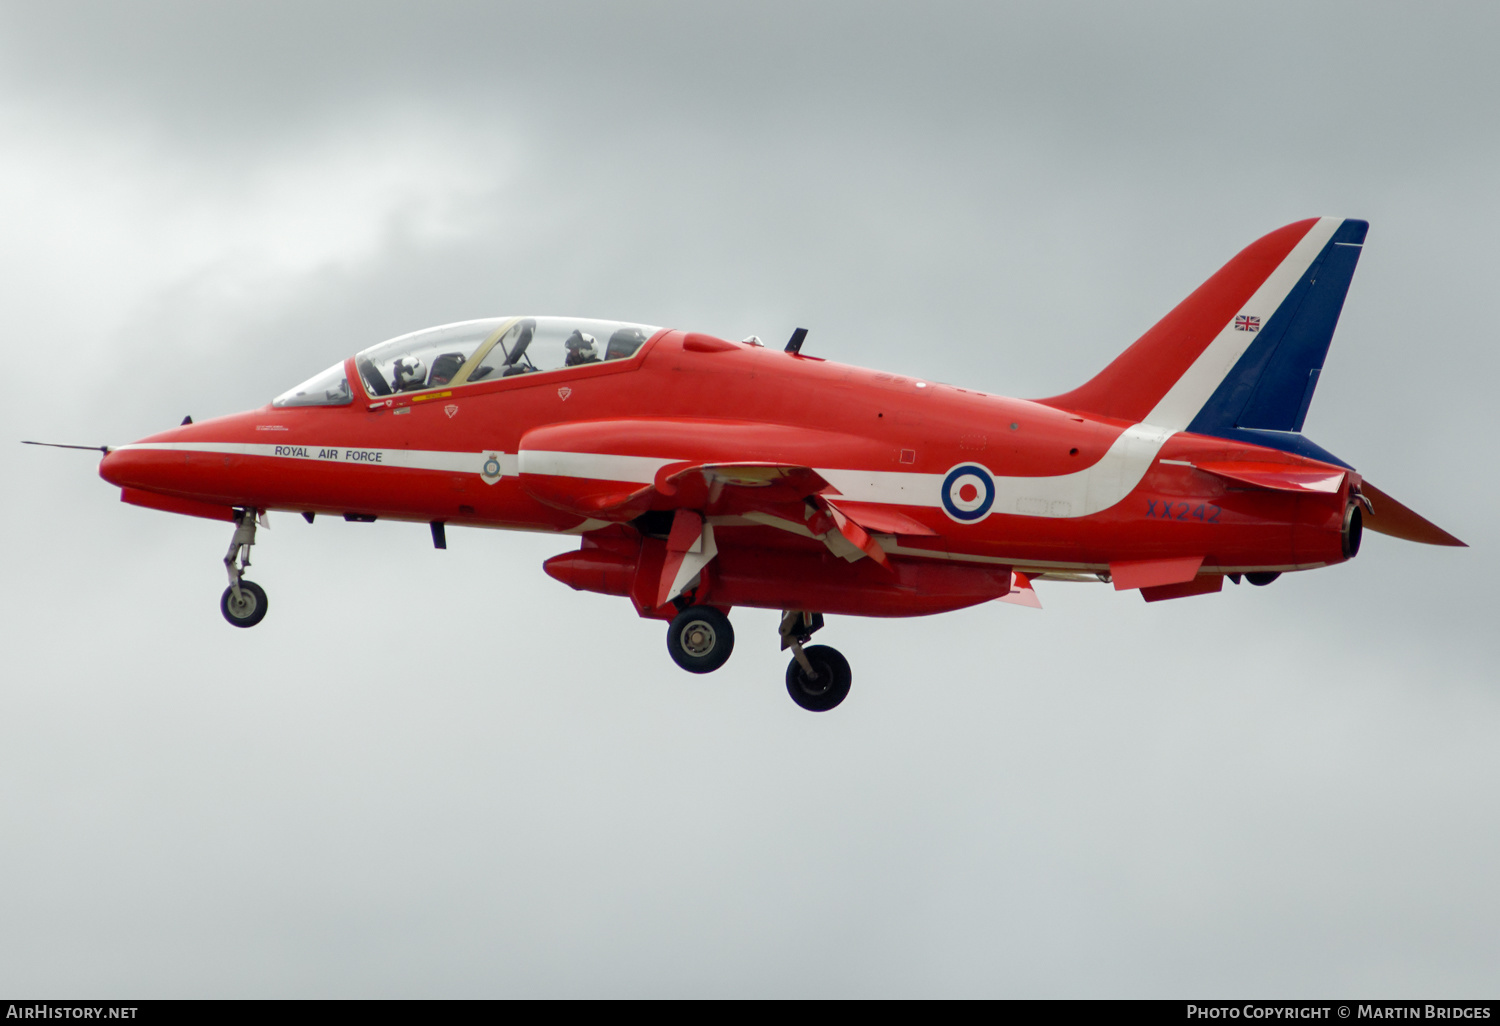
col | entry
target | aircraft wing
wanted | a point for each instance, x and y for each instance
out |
(618, 470)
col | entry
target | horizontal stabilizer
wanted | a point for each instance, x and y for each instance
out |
(1278, 477)
(1387, 516)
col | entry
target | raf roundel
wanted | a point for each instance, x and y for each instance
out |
(968, 493)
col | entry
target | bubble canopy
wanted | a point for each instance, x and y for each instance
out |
(453, 355)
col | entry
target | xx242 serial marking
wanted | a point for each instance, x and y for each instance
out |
(1206, 512)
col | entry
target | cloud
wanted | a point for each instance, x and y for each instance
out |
(101, 216)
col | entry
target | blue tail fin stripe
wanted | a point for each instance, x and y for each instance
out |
(1265, 396)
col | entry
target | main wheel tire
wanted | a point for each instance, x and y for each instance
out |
(700, 639)
(831, 686)
(249, 609)
(1261, 578)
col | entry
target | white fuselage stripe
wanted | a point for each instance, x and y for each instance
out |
(409, 459)
(1079, 494)
(592, 465)
(1190, 392)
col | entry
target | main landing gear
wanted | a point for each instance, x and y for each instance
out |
(700, 640)
(243, 602)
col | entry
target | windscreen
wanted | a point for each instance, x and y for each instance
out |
(471, 351)
(331, 388)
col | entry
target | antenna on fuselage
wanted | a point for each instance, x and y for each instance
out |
(794, 346)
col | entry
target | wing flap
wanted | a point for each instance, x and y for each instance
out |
(880, 519)
(1153, 573)
(1204, 584)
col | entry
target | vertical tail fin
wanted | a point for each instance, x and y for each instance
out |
(1242, 354)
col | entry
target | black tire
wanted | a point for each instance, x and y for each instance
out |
(832, 685)
(250, 610)
(700, 639)
(1261, 578)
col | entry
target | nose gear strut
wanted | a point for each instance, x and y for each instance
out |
(243, 602)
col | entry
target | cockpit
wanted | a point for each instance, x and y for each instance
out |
(472, 351)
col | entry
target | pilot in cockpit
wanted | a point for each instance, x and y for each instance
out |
(409, 373)
(581, 349)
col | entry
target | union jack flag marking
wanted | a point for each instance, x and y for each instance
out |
(1244, 322)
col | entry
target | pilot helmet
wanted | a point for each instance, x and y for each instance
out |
(409, 372)
(581, 346)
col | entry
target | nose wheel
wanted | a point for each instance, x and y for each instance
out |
(245, 607)
(243, 602)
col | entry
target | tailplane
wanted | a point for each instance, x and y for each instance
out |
(1387, 516)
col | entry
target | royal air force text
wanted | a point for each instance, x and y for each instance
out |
(342, 455)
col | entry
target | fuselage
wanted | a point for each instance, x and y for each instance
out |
(986, 480)
(699, 474)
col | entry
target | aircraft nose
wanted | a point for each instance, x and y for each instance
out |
(151, 463)
(128, 467)
(111, 466)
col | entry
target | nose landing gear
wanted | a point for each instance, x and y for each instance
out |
(243, 602)
(244, 608)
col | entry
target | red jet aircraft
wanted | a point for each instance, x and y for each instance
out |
(701, 474)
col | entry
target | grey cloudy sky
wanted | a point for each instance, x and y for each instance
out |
(441, 773)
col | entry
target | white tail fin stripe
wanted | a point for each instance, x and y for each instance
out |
(1190, 392)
